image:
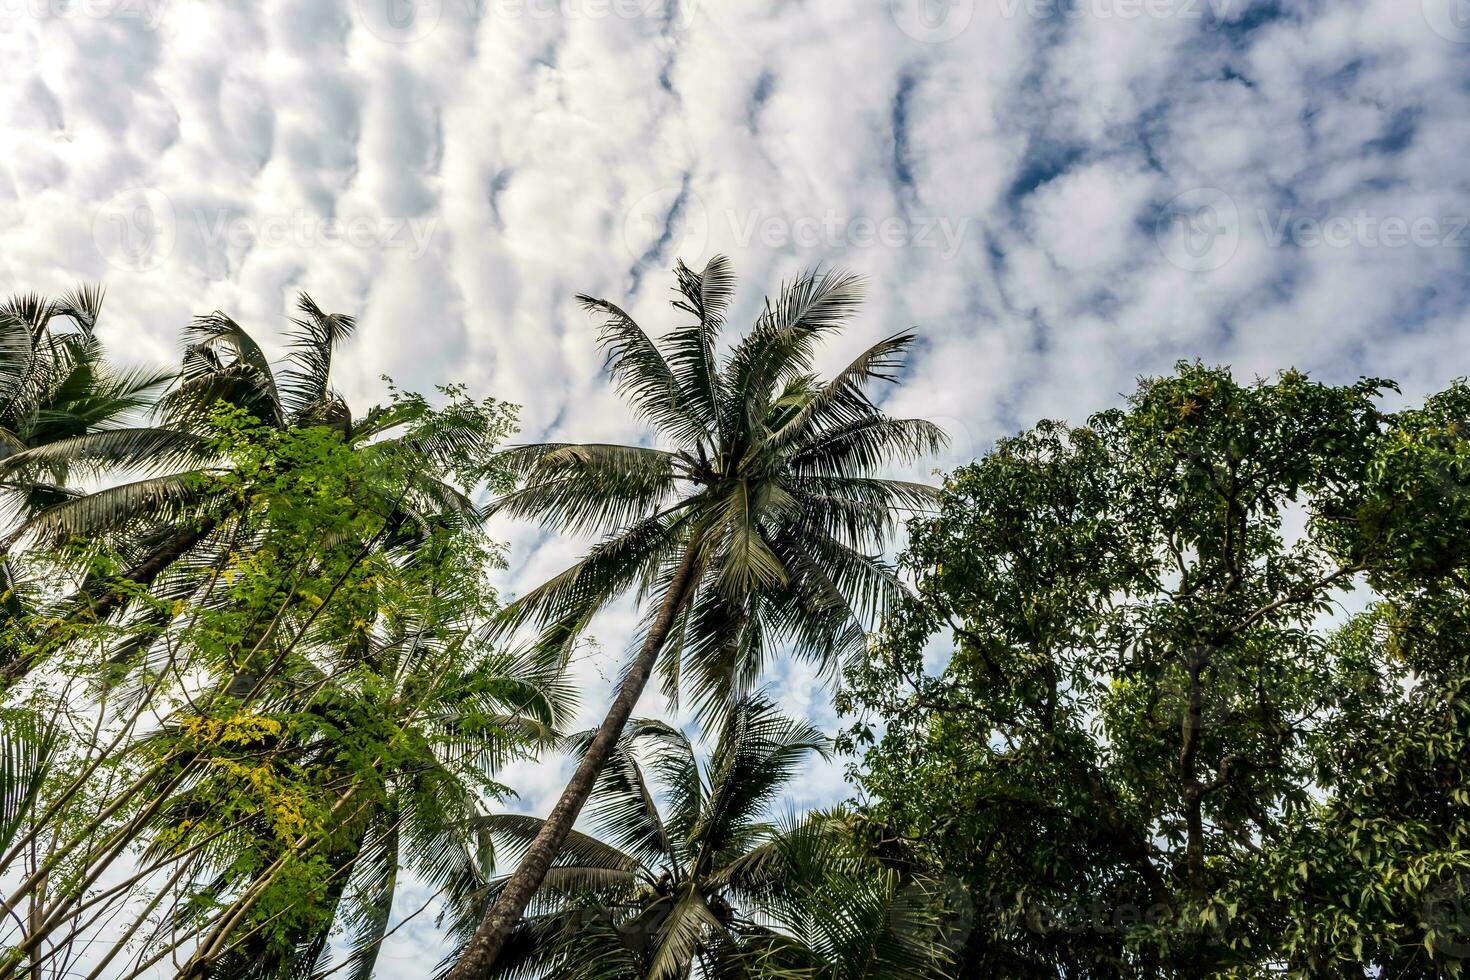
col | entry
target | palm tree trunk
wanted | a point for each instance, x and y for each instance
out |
(484, 948)
(153, 566)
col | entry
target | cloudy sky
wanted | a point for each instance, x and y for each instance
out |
(1060, 194)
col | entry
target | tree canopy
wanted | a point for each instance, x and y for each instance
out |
(1203, 711)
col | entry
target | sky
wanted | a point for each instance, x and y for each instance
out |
(1060, 195)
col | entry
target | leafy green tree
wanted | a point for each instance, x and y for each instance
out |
(328, 713)
(758, 525)
(1378, 871)
(1145, 703)
(708, 886)
(166, 511)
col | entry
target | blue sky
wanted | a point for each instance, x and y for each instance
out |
(1060, 194)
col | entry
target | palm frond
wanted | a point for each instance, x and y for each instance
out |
(759, 751)
(639, 370)
(17, 356)
(865, 446)
(27, 747)
(140, 449)
(306, 383)
(843, 400)
(688, 925)
(623, 807)
(32, 309)
(784, 341)
(690, 351)
(582, 488)
(245, 380)
(514, 832)
(111, 508)
(607, 570)
(744, 558)
(366, 919)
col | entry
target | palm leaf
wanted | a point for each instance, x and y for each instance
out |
(690, 351)
(582, 488)
(114, 507)
(639, 370)
(142, 449)
(27, 747)
(306, 384)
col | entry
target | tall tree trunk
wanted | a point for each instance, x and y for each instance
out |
(484, 948)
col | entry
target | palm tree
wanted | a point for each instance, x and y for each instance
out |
(763, 522)
(394, 699)
(708, 886)
(167, 512)
(461, 712)
(55, 385)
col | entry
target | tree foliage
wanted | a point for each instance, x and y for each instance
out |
(300, 706)
(1155, 748)
(707, 884)
(759, 522)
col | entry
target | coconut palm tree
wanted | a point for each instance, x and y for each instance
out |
(55, 384)
(386, 692)
(708, 886)
(166, 511)
(461, 712)
(760, 521)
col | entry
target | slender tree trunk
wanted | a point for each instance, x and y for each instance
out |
(37, 930)
(145, 572)
(484, 948)
(1193, 789)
